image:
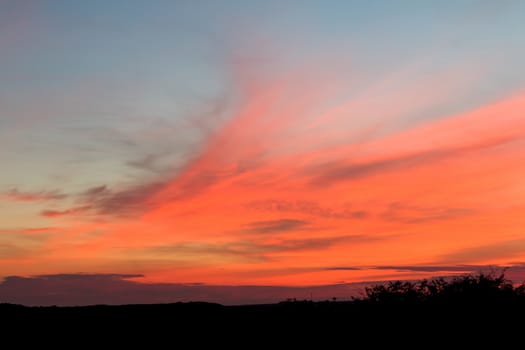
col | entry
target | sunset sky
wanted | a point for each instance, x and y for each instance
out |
(214, 144)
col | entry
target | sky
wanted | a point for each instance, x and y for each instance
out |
(246, 151)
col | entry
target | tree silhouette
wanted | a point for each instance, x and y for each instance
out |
(465, 289)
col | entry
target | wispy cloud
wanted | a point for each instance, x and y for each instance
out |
(138, 198)
(415, 214)
(56, 213)
(343, 268)
(307, 207)
(432, 268)
(141, 197)
(254, 250)
(507, 249)
(148, 162)
(332, 173)
(38, 196)
(329, 173)
(102, 200)
(320, 243)
(276, 226)
(132, 200)
(94, 193)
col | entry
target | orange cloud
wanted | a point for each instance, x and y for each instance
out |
(292, 185)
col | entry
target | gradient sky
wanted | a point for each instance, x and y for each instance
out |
(269, 143)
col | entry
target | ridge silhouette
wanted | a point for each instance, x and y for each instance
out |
(448, 308)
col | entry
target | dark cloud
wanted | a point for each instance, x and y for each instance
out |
(435, 268)
(415, 214)
(320, 243)
(93, 289)
(16, 195)
(139, 198)
(514, 271)
(413, 268)
(56, 213)
(252, 250)
(95, 192)
(148, 162)
(236, 251)
(275, 226)
(103, 200)
(326, 174)
(331, 173)
(343, 268)
(166, 158)
(307, 207)
(136, 199)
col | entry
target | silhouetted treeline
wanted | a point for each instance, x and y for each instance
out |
(486, 304)
(481, 289)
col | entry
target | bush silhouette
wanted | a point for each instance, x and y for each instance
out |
(466, 289)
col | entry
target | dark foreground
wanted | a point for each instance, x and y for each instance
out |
(293, 321)
(438, 314)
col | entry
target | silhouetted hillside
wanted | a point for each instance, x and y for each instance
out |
(485, 304)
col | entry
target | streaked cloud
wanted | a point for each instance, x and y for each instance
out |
(49, 213)
(24, 196)
(513, 271)
(507, 248)
(276, 226)
(332, 173)
(413, 214)
(124, 202)
(148, 163)
(253, 250)
(307, 207)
